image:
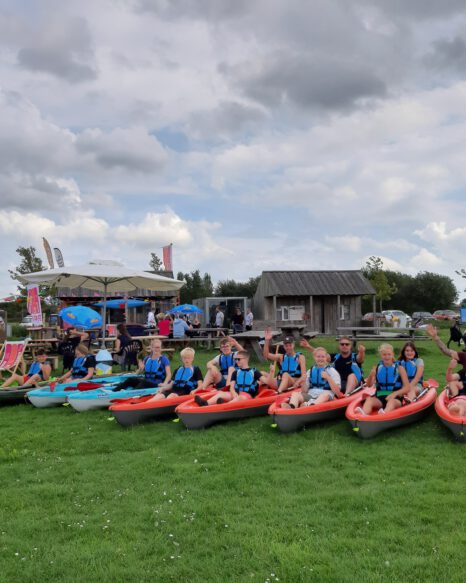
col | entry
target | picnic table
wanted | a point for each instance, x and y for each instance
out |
(379, 333)
(250, 341)
(42, 332)
(144, 339)
(297, 331)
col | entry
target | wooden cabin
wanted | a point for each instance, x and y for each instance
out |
(323, 300)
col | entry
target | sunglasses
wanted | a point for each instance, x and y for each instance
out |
(345, 344)
(238, 359)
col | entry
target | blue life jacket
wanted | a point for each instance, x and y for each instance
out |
(154, 370)
(245, 382)
(79, 369)
(290, 364)
(315, 378)
(356, 368)
(410, 367)
(387, 378)
(183, 379)
(35, 368)
(225, 361)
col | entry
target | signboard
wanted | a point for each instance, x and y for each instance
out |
(33, 304)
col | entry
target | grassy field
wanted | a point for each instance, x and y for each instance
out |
(85, 500)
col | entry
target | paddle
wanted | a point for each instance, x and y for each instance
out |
(429, 384)
(356, 390)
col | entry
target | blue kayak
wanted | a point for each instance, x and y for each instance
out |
(56, 394)
(102, 397)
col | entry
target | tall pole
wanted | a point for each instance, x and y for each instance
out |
(104, 316)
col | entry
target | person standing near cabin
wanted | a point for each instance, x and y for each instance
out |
(151, 319)
(219, 318)
(249, 319)
(348, 364)
(292, 364)
(238, 321)
(123, 339)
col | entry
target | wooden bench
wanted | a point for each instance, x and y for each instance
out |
(384, 338)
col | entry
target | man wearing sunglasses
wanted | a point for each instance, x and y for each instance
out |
(346, 362)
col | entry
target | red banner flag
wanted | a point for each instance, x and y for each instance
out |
(48, 252)
(33, 304)
(167, 257)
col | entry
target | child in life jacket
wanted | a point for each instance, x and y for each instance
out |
(221, 367)
(40, 370)
(414, 367)
(244, 383)
(83, 365)
(155, 367)
(391, 383)
(186, 378)
(457, 389)
(292, 365)
(322, 384)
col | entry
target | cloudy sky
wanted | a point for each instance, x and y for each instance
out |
(253, 134)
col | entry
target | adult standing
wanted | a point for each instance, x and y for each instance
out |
(219, 318)
(238, 321)
(123, 339)
(249, 319)
(151, 319)
(347, 363)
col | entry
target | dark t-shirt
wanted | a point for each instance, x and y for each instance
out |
(343, 364)
(462, 358)
(124, 341)
(257, 376)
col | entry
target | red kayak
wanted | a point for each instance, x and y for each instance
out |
(142, 409)
(289, 420)
(455, 423)
(367, 426)
(196, 417)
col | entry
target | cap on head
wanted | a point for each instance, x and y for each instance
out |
(288, 340)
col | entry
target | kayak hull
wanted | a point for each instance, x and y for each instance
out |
(56, 395)
(135, 411)
(13, 396)
(455, 423)
(368, 426)
(102, 398)
(290, 420)
(195, 417)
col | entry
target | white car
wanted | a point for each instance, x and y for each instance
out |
(397, 316)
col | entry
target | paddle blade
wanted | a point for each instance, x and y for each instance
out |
(431, 383)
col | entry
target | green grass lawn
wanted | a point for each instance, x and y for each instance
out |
(86, 500)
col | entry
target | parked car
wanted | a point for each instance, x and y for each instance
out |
(422, 316)
(445, 315)
(371, 316)
(397, 316)
(26, 322)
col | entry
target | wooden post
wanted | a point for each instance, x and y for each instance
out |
(274, 304)
(311, 312)
(338, 311)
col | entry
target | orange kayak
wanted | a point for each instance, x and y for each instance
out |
(455, 423)
(196, 417)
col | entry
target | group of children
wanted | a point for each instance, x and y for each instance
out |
(331, 376)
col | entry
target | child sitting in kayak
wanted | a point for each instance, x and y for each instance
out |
(83, 366)
(186, 378)
(292, 365)
(387, 375)
(221, 367)
(156, 369)
(457, 388)
(414, 367)
(244, 383)
(322, 384)
(40, 370)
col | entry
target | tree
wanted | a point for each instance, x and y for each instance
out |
(195, 287)
(29, 264)
(232, 288)
(155, 263)
(434, 291)
(373, 271)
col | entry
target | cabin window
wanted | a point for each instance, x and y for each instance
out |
(344, 311)
(290, 313)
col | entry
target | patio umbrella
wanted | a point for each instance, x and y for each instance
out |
(81, 317)
(185, 309)
(122, 304)
(104, 276)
